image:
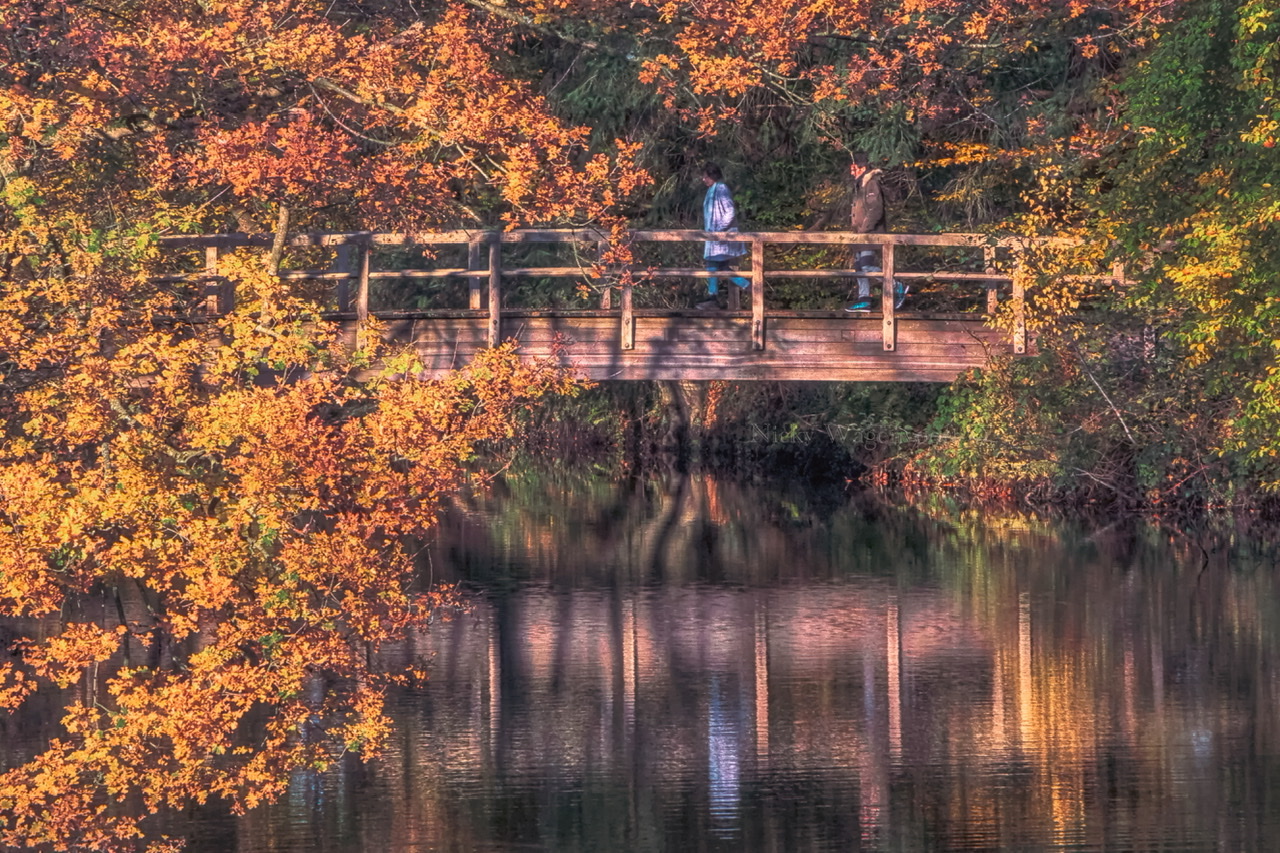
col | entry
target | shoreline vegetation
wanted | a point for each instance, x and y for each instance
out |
(887, 435)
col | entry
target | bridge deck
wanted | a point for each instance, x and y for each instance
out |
(809, 345)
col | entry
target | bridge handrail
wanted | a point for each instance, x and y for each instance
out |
(591, 235)
(346, 271)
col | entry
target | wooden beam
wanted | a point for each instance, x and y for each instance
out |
(474, 299)
(888, 324)
(757, 294)
(325, 275)
(1019, 312)
(989, 266)
(452, 272)
(936, 275)
(606, 292)
(495, 292)
(813, 238)
(212, 289)
(628, 316)
(362, 288)
(670, 272)
(590, 235)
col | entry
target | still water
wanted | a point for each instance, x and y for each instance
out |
(692, 664)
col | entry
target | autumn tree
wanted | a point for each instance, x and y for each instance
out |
(208, 526)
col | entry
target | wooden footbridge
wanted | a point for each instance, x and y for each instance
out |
(631, 331)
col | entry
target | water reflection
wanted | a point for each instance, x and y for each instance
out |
(694, 665)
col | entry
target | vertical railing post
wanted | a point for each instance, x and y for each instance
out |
(733, 298)
(628, 315)
(474, 299)
(212, 287)
(757, 293)
(1019, 309)
(989, 268)
(495, 288)
(887, 296)
(606, 292)
(362, 289)
(342, 263)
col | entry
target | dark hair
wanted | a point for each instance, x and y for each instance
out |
(860, 158)
(712, 171)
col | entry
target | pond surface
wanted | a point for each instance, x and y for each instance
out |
(690, 664)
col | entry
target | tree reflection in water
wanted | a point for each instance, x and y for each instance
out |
(700, 665)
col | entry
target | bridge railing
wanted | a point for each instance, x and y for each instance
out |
(352, 269)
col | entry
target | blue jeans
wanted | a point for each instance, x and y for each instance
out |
(723, 266)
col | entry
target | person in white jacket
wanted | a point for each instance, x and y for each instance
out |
(719, 214)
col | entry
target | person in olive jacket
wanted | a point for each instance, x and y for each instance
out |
(867, 218)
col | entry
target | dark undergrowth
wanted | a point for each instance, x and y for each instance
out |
(989, 440)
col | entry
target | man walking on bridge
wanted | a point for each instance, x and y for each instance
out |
(868, 218)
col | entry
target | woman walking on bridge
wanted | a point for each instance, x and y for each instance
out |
(719, 214)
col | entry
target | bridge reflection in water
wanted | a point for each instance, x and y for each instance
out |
(630, 338)
(709, 667)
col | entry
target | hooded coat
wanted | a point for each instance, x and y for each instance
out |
(868, 203)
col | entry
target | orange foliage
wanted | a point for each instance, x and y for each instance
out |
(225, 517)
(261, 551)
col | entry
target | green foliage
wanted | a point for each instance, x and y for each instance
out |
(1198, 186)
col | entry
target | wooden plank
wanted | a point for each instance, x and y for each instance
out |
(552, 235)
(548, 272)
(813, 238)
(539, 334)
(437, 273)
(697, 272)
(495, 293)
(669, 361)
(681, 272)
(591, 235)
(323, 275)
(423, 238)
(739, 332)
(757, 295)
(874, 332)
(834, 351)
(936, 275)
